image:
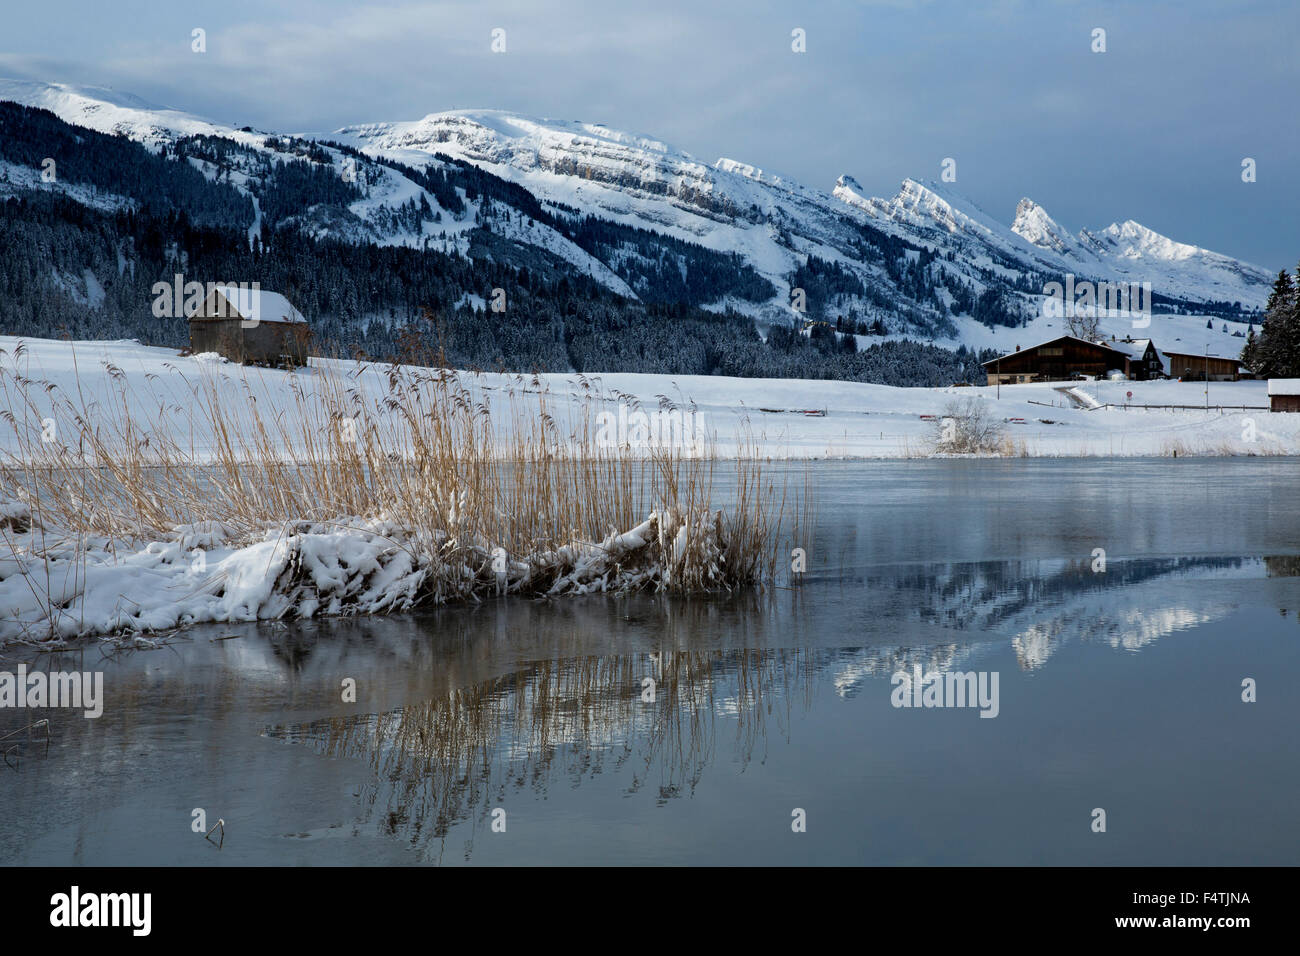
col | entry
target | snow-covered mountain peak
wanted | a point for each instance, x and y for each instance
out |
(487, 133)
(110, 111)
(740, 169)
(1134, 240)
(1034, 225)
(916, 204)
(772, 223)
(926, 204)
(849, 191)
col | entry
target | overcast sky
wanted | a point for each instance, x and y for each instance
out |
(1154, 129)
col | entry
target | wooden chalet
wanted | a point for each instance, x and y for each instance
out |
(1145, 360)
(1058, 360)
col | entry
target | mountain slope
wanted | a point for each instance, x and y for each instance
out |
(380, 210)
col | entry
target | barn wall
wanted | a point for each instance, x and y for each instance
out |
(217, 335)
(266, 342)
(270, 341)
(1221, 369)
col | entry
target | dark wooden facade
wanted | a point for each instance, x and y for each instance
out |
(1059, 360)
(267, 343)
(1284, 394)
(1190, 367)
(1144, 359)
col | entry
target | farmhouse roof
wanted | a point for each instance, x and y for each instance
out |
(1284, 386)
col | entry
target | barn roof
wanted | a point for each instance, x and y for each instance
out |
(1201, 355)
(259, 305)
(1284, 386)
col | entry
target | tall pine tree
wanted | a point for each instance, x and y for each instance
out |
(1276, 351)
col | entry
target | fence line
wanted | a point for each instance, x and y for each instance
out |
(1194, 408)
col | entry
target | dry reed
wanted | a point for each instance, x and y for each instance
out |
(481, 488)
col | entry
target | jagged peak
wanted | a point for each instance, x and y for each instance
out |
(1026, 207)
(1139, 240)
(1036, 226)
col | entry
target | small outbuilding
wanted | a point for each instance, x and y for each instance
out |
(249, 325)
(1284, 394)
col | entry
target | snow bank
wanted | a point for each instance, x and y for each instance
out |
(54, 588)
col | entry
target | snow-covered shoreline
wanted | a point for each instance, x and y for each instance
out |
(69, 587)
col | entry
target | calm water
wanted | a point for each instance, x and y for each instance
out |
(1119, 690)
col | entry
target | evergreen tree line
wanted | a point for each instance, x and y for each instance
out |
(1275, 351)
(375, 300)
(115, 165)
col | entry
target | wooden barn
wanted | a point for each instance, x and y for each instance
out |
(1190, 367)
(249, 325)
(1059, 360)
(1284, 394)
(1145, 361)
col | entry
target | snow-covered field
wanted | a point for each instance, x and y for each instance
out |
(57, 581)
(860, 421)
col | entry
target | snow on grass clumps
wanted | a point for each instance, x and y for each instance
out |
(142, 507)
(72, 588)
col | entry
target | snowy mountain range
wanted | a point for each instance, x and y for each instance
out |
(735, 206)
(924, 263)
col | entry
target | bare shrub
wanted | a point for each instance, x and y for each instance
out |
(1083, 325)
(967, 427)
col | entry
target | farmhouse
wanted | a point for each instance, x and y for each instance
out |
(249, 325)
(1284, 394)
(1139, 359)
(1060, 359)
(1188, 366)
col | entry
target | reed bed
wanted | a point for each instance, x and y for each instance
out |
(359, 487)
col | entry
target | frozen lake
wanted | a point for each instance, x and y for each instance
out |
(646, 730)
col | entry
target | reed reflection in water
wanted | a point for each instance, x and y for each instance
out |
(658, 718)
